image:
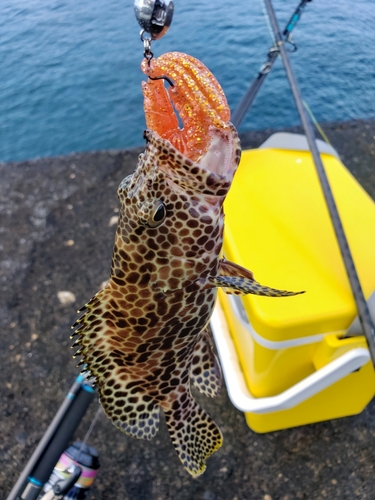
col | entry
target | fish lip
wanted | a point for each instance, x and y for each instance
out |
(212, 174)
(219, 158)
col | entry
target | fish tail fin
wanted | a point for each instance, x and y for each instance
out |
(194, 435)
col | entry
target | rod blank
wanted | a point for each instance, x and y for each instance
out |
(363, 311)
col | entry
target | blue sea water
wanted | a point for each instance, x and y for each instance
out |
(70, 77)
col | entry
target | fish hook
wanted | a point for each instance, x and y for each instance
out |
(163, 77)
(148, 54)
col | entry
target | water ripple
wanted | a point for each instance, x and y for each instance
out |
(70, 77)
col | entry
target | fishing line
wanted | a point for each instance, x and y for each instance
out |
(315, 122)
(89, 431)
(264, 10)
(273, 53)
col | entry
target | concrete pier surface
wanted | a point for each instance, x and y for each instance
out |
(58, 219)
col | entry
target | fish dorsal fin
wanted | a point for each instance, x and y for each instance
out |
(124, 397)
(205, 368)
(136, 422)
(194, 435)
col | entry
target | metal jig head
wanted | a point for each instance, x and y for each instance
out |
(154, 16)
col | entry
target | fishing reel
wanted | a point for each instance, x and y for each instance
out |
(154, 17)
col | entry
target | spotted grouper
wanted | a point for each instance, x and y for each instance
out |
(144, 336)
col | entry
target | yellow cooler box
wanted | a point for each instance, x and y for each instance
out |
(284, 359)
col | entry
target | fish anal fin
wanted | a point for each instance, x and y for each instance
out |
(194, 435)
(243, 286)
(205, 372)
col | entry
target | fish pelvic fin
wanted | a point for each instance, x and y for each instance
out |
(243, 286)
(194, 435)
(205, 371)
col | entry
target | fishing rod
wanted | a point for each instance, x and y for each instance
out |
(363, 310)
(55, 440)
(248, 99)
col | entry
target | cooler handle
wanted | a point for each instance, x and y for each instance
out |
(239, 393)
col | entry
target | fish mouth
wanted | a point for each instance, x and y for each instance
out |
(211, 175)
(220, 156)
(207, 143)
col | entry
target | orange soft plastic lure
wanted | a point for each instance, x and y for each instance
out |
(196, 95)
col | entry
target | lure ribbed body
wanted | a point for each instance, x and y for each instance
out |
(144, 335)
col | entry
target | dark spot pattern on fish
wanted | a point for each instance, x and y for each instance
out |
(143, 335)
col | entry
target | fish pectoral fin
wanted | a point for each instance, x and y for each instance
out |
(243, 286)
(205, 371)
(227, 268)
(194, 435)
(130, 419)
(240, 281)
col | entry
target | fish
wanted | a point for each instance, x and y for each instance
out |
(144, 337)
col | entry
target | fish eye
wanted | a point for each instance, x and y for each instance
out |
(158, 215)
